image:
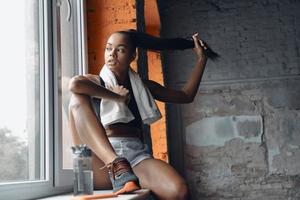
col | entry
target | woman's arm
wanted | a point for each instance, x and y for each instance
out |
(89, 84)
(189, 91)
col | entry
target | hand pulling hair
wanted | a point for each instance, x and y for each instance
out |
(152, 43)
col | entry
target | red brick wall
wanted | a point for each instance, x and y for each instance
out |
(158, 129)
(103, 18)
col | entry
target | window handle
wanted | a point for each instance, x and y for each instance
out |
(69, 10)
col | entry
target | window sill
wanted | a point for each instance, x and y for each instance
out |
(142, 194)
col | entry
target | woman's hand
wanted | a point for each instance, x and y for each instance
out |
(199, 47)
(122, 91)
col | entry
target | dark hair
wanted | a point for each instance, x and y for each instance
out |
(152, 43)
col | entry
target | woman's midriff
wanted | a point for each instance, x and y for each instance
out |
(122, 130)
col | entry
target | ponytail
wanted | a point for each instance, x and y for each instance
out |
(152, 43)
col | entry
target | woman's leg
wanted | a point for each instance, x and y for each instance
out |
(161, 179)
(85, 127)
(101, 178)
(100, 174)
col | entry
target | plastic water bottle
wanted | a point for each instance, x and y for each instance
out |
(83, 171)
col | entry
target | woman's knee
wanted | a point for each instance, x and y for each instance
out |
(75, 83)
(176, 191)
(180, 191)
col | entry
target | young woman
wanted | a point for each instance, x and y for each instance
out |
(120, 159)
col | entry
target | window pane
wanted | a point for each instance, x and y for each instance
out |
(67, 71)
(21, 89)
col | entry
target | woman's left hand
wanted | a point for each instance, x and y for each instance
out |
(122, 91)
(199, 47)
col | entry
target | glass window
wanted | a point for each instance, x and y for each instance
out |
(71, 60)
(67, 70)
(22, 93)
(39, 54)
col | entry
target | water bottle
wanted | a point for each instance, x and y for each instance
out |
(82, 168)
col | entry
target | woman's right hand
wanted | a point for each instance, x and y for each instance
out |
(199, 47)
(122, 91)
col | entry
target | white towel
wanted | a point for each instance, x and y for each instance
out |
(113, 112)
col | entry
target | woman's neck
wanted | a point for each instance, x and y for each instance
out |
(122, 77)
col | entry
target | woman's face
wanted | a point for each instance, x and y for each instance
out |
(118, 52)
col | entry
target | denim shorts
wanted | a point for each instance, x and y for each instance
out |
(131, 148)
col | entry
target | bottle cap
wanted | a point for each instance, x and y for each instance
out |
(81, 150)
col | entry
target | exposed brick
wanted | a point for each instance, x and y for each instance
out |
(259, 42)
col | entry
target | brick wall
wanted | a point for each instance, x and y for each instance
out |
(241, 135)
(103, 18)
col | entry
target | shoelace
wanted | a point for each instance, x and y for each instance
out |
(117, 167)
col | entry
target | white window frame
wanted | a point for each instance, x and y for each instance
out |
(76, 13)
(56, 180)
